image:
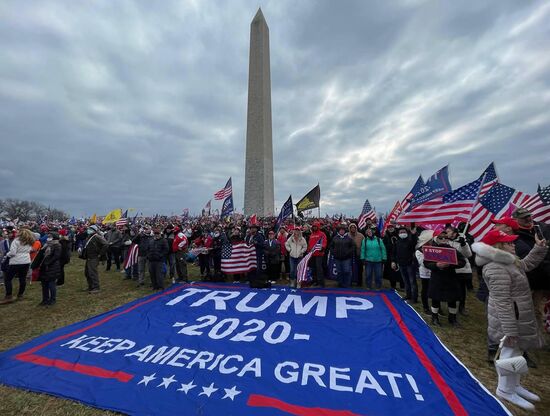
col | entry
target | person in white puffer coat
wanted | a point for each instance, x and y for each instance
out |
(511, 315)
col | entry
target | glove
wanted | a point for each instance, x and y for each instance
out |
(462, 241)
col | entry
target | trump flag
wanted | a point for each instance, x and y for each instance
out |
(227, 349)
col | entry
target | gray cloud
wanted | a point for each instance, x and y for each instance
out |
(139, 104)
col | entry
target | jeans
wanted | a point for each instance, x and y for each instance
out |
(408, 273)
(293, 266)
(19, 270)
(49, 290)
(343, 268)
(373, 269)
(172, 264)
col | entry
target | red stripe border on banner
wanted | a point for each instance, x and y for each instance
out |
(254, 400)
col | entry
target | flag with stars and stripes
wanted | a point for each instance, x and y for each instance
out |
(132, 256)
(224, 192)
(493, 205)
(238, 258)
(490, 178)
(301, 269)
(367, 213)
(539, 205)
(457, 204)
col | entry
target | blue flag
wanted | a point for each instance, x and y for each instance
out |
(226, 349)
(286, 211)
(437, 185)
(227, 207)
(380, 225)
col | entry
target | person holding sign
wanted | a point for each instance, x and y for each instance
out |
(443, 260)
(424, 238)
(511, 315)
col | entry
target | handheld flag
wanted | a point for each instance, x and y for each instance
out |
(301, 269)
(310, 200)
(367, 213)
(437, 185)
(224, 192)
(93, 219)
(112, 216)
(394, 214)
(415, 190)
(539, 205)
(286, 211)
(227, 207)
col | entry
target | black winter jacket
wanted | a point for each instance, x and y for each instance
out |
(157, 249)
(342, 247)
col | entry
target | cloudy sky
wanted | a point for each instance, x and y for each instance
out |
(142, 104)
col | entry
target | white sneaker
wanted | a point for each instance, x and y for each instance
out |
(515, 399)
(526, 394)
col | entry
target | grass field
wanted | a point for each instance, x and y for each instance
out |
(24, 320)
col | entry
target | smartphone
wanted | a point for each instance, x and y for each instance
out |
(538, 231)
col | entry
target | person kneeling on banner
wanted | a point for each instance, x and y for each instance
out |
(444, 286)
(511, 315)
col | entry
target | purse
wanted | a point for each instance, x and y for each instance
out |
(509, 366)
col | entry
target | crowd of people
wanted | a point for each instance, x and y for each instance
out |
(511, 262)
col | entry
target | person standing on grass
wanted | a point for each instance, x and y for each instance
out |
(464, 274)
(19, 262)
(50, 268)
(342, 249)
(296, 246)
(94, 249)
(403, 258)
(424, 238)
(156, 255)
(272, 252)
(373, 253)
(511, 314)
(444, 286)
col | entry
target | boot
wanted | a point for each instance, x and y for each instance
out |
(452, 320)
(435, 319)
(6, 300)
(507, 390)
(526, 394)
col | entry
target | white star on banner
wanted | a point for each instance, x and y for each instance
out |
(186, 387)
(231, 393)
(208, 390)
(146, 379)
(167, 381)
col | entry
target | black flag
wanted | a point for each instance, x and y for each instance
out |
(311, 200)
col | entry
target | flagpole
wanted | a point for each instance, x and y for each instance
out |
(467, 227)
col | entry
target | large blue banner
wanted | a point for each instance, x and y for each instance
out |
(229, 350)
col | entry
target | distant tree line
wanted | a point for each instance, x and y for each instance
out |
(29, 211)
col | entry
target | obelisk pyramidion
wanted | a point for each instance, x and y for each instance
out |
(258, 185)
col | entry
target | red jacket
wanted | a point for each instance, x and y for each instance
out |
(313, 238)
(179, 243)
(205, 242)
(281, 238)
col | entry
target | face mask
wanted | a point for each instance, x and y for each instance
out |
(90, 232)
(157, 236)
(402, 235)
(216, 234)
(49, 239)
(188, 233)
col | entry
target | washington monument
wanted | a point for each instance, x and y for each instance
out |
(258, 184)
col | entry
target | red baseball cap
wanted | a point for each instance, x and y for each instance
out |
(497, 236)
(509, 221)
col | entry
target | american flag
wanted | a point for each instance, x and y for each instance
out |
(539, 205)
(446, 208)
(394, 214)
(132, 256)
(121, 222)
(491, 178)
(494, 204)
(367, 213)
(225, 191)
(412, 193)
(301, 269)
(238, 258)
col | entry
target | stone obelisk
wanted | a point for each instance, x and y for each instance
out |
(258, 185)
